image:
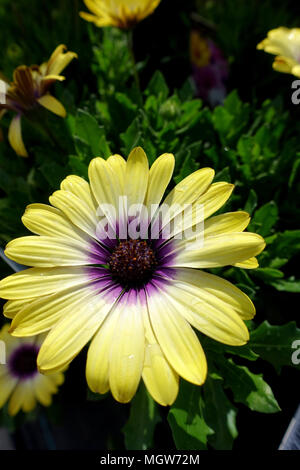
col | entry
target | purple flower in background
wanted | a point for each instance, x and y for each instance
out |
(210, 69)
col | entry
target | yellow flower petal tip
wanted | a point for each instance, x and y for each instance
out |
(284, 43)
(136, 303)
(123, 14)
(15, 137)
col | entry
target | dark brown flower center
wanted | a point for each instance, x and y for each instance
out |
(132, 263)
(23, 361)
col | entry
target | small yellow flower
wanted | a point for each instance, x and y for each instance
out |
(113, 266)
(200, 53)
(285, 44)
(30, 88)
(20, 381)
(121, 13)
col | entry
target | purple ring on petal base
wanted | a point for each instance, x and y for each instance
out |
(131, 264)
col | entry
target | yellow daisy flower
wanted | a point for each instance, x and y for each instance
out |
(30, 87)
(285, 44)
(20, 381)
(110, 265)
(121, 13)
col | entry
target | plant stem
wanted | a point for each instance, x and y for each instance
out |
(129, 35)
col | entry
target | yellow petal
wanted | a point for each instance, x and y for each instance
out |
(72, 333)
(58, 378)
(52, 104)
(94, 19)
(59, 60)
(296, 70)
(47, 252)
(215, 197)
(218, 250)
(208, 203)
(7, 385)
(44, 387)
(127, 349)
(43, 219)
(187, 192)
(77, 210)
(161, 380)
(177, 340)
(36, 282)
(12, 307)
(80, 188)
(29, 401)
(121, 14)
(105, 188)
(226, 223)
(45, 312)
(96, 7)
(159, 177)
(118, 167)
(250, 263)
(15, 137)
(217, 291)
(206, 313)
(136, 176)
(53, 77)
(97, 364)
(17, 399)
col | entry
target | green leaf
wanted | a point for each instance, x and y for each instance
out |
(274, 343)
(189, 429)
(289, 285)
(294, 172)
(264, 219)
(187, 91)
(189, 166)
(126, 103)
(190, 110)
(286, 244)
(277, 262)
(268, 274)
(131, 138)
(223, 175)
(89, 137)
(220, 415)
(251, 202)
(222, 120)
(248, 388)
(231, 118)
(248, 149)
(78, 167)
(158, 87)
(218, 348)
(233, 103)
(53, 173)
(144, 416)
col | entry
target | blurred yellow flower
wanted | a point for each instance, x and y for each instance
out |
(200, 53)
(30, 87)
(285, 44)
(20, 381)
(121, 13)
